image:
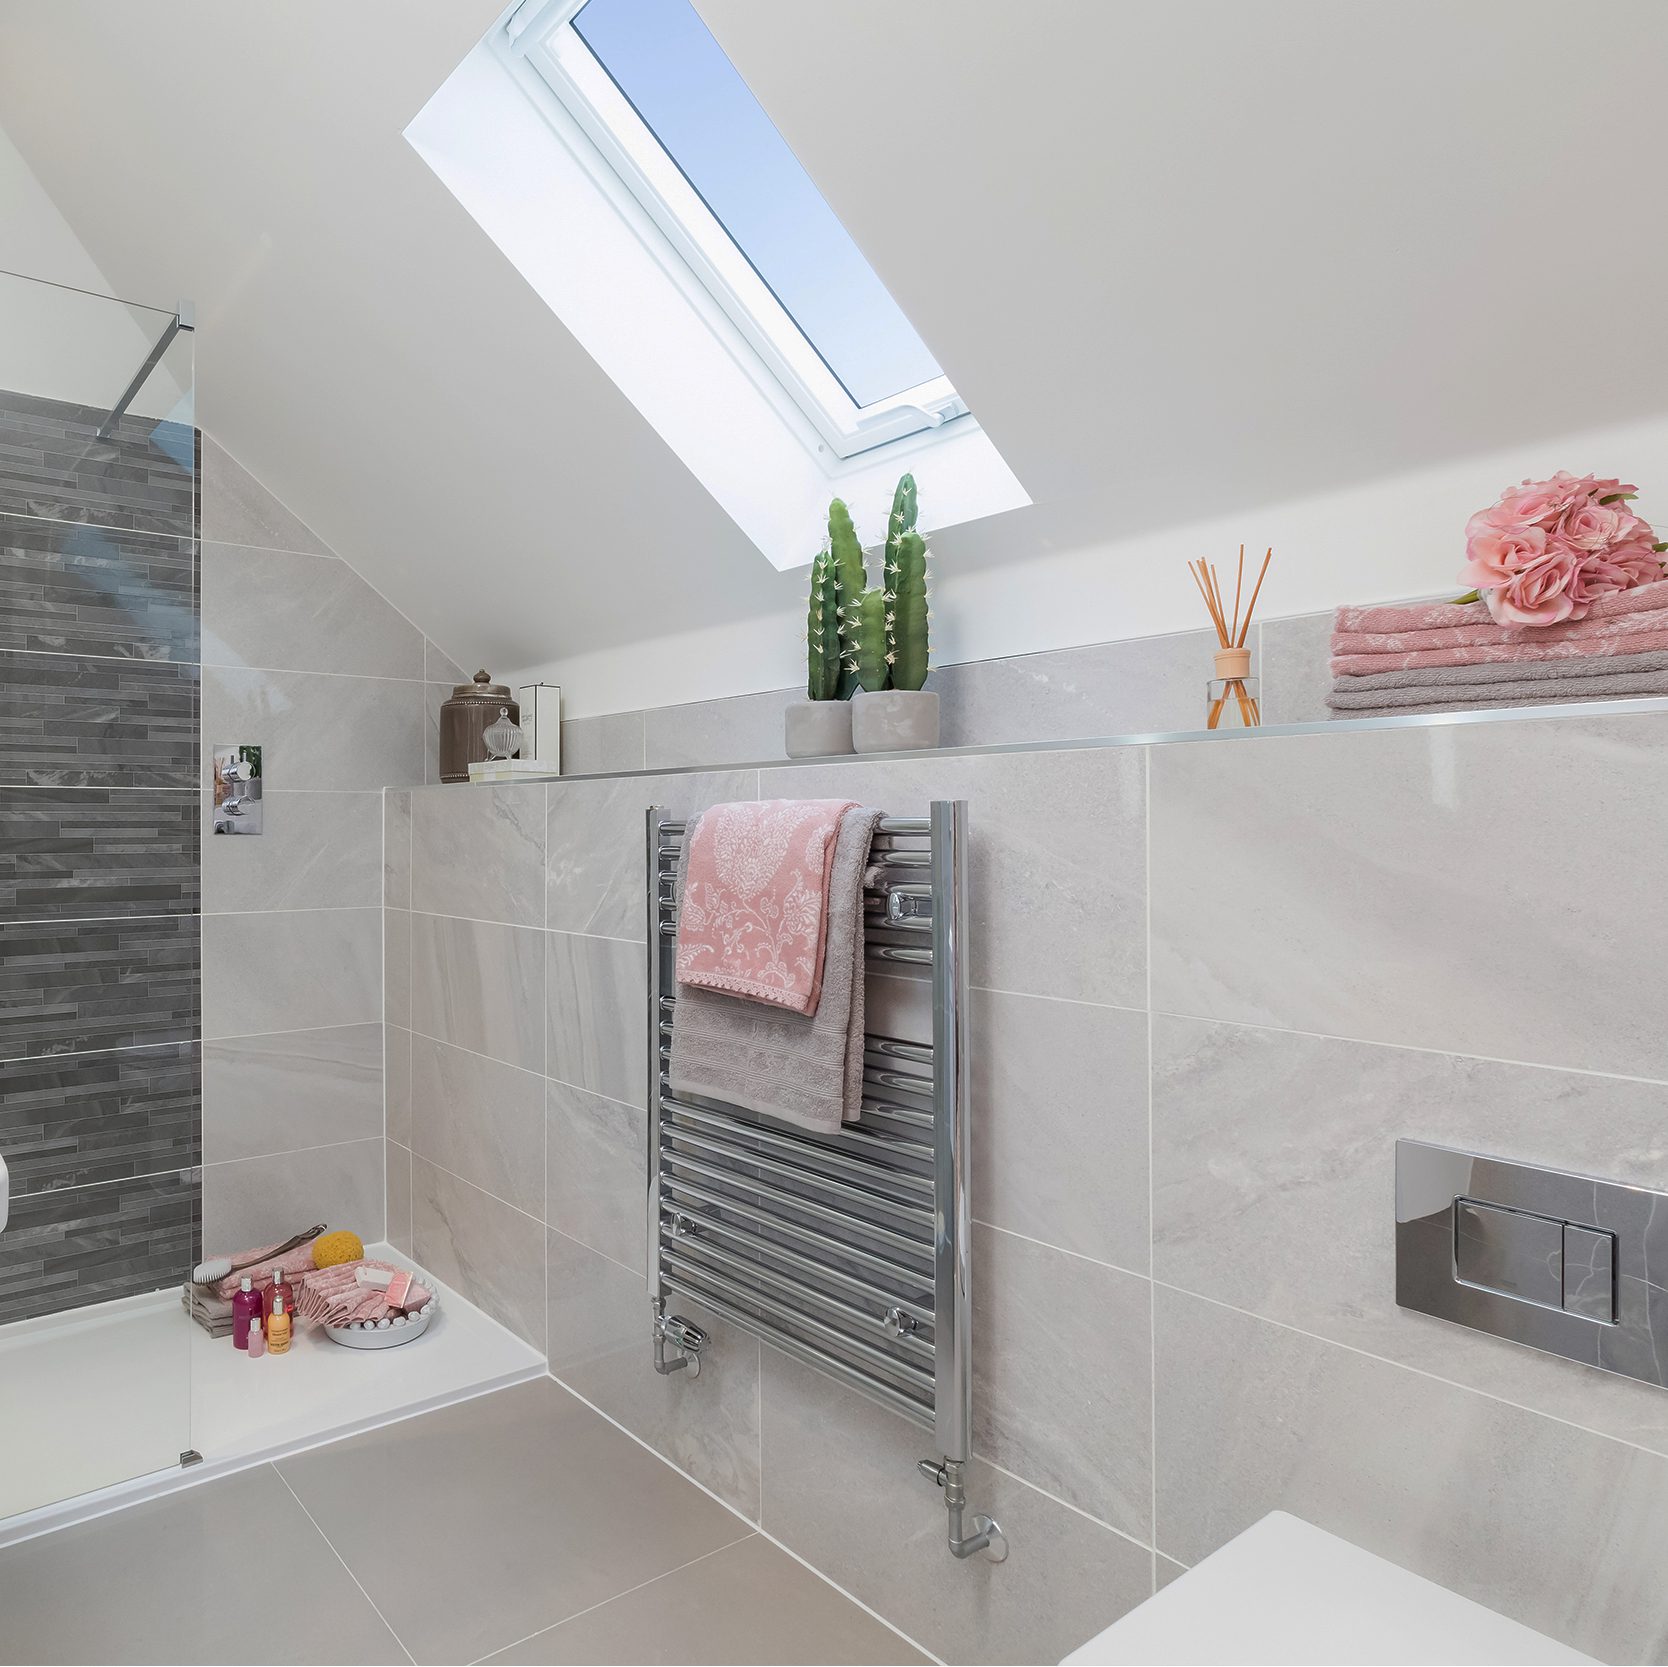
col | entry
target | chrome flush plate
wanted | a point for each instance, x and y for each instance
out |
(1565, 1263)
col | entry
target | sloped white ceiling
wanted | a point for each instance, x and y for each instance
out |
(1181, 257)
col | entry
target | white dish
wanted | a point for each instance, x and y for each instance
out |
(384, 1336)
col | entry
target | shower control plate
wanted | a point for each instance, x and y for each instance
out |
(1561, 1262)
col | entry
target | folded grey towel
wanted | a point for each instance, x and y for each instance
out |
(1524, 692)
(1511, 671)
(1444, 704)
(804, 1069)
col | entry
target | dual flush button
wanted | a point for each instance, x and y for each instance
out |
(1536, 1258)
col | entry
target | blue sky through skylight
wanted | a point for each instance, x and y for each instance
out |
(666, 62)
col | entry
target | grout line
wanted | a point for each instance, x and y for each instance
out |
(489, 1058)
(294, 1030)
(98, 526)
(90, 1053)
(1410, 1047)
(28, 1194)
(299, 909)
(1421, 1372)
(1152, 1304)
(636, 1273)
(1064, 1504)
(344, 1562)
(1064, 1001)
(521, 925)
(592, 1608)
(763, 1532)
(291, 1152)
(1060, 1249)
(476, 1187)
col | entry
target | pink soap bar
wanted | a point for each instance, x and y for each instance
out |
(399, 1288)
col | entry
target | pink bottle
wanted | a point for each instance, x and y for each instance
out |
(280, 1286)
(246, 1306)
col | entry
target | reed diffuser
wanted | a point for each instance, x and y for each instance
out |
(1233, 689)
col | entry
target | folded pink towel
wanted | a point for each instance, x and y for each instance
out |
(1637, 622)
(1542, 646)
(1441, 616)
(295, 1262)
(753, 920)
(334, 1296)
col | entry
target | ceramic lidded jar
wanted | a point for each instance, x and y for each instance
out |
(464, 721)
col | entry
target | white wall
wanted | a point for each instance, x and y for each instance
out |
(62, 342)
(1070, 584)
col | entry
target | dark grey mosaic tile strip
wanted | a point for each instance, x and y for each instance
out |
(66, 588)
(141, 478)
(75, 987)
(74, 1120)
(66, 721)
(67, 1249)
(95, 853)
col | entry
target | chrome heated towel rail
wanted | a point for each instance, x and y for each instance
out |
(849, 1252)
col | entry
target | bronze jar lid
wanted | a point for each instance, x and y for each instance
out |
(464, 720)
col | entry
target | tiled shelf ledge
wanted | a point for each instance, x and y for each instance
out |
(1266, 732)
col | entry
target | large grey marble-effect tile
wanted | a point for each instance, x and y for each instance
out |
(541, 1507)
(480, 987)
(264, 1200)
(299, 970)
(397, 1183)
(298, 1088)
(286, 612)
(1263, 1140)
(481, 1119)
(1059, 1094)
(595, 841)
(1062, 1379)
(315, 851)
(741, 729)
(317, 731)
(481, 1246)
(1296, 678)
(1138, 685)
(478, 850)
(879, 1532)
(111, 1589)
(396, 849)
(1422, 886)
(599, 1342)
(440, 667)
(396, 967)
(1056, 863)
(595, 1172)
(237, 509)
(597, 1015)
(750, 1602)
(1551, 1525)
(611, 742)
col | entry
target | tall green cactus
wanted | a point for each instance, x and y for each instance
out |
(908, 590)
(866, 627)
(850, 580)
(822, 631)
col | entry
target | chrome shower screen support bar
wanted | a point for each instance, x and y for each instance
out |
(849, 1253)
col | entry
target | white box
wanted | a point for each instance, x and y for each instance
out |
(541, 724)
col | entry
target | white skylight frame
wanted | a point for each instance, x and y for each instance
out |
(555, 66)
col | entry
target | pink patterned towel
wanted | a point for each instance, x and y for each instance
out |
(333, 1296)
(1399, 618)
(1540, 645)
(294, 1262)
(753, 920)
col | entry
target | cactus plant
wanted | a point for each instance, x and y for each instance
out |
(850, 580)
(907, 584)
(868, 656)
(822, 631)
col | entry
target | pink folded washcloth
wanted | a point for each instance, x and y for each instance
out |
(753, 920)
(1536, 645)
(1441, 616)
(334, 1296)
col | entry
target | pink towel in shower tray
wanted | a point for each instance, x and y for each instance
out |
(753, 918)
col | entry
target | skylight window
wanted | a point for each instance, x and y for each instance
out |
(670, 113)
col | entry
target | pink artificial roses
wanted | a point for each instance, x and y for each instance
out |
(1550, 548)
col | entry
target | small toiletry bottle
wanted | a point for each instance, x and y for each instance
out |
(257, 1338)
(280, 1286)
(246, 1306)
(278, 1327)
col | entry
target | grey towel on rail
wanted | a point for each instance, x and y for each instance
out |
(801, 1069)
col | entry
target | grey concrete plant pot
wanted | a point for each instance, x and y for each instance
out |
(817, 728)
(894, 720)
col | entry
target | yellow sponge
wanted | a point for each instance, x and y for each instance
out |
(332, 1248)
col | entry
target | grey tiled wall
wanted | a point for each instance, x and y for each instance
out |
(1213, 985)
(99, 1106)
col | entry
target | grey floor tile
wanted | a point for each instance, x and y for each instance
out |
(156, 1583)
(485, 1522)
(750, 1602)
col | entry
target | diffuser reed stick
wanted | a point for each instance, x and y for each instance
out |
(1233, 658)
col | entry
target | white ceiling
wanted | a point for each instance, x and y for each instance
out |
(1181, 258)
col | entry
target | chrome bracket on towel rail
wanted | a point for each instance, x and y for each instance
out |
(820, 1245)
